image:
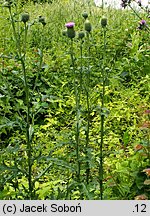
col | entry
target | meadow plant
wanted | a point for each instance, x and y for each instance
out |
(78, 85)
(21, 41)
(22, 59)
(88, 29)
(71, 34)
(85, 15)
(102, 114)
(142, 25)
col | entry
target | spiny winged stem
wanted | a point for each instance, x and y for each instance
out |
(102, 115)
(77, 99)
(87, 90)
(22, 58)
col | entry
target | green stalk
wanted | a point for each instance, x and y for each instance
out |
(77, 98)
(81, 66)
(134, 11)
(102, 117)
(87, 89)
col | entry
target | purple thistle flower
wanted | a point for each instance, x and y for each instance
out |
(70, 29)
(142, 22)
(70, 24)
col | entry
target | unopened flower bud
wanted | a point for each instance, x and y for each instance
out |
(42, 20)
(104, 22)
(87, 26)
(81, 35)
(25, 17)
(85, 15)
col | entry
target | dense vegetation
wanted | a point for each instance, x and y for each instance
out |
(74, 101)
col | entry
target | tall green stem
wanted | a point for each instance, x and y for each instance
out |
(135, 11)
(77, 99)
(87, 89)
(102, 117)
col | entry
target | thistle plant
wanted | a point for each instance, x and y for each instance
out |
(22, 58)
(88, 28)
(102, 114)
(21, 41)
(71, 34)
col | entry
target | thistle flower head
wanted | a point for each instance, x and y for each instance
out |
(25, 17)
(87, 26)
(104, 22)
(85, 15)
(42, 20)
(142, 22)
(70, 25)
(70, 29)
(81, 35)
